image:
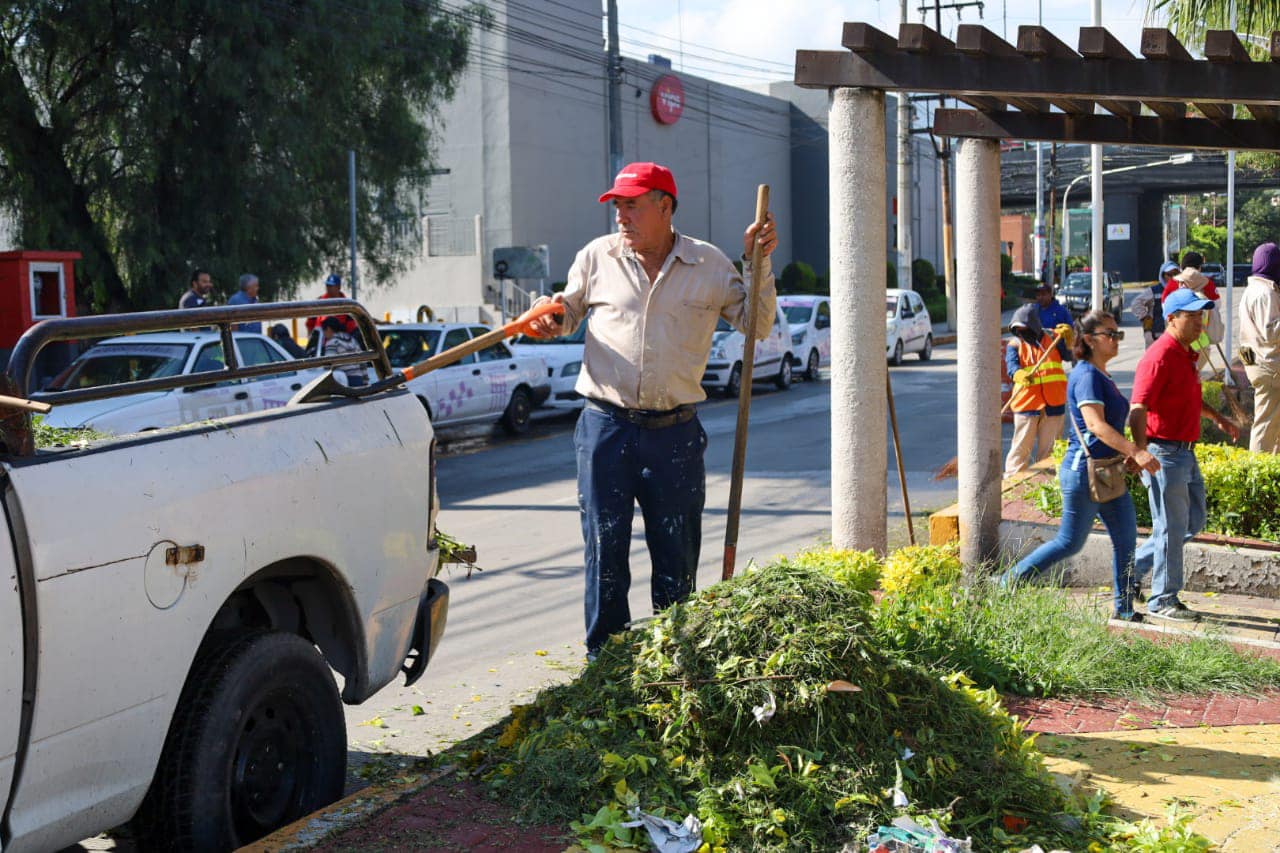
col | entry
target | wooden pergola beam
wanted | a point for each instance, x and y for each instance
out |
(1099, 43)
(982, 70)
(953, 74)
(1224, 46)
(1239, 134)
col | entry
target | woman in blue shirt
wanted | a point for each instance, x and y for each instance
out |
(1097, 411)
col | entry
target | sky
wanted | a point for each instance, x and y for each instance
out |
(751, 42)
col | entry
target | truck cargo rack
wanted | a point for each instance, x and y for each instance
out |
(16, 381)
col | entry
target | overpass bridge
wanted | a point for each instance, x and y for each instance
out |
(1134, 198)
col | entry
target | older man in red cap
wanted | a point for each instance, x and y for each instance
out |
(655, 296)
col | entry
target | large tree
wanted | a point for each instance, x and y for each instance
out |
(158, 135)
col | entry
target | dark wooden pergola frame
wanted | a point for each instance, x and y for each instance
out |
(1040, 90)
(1012, 89)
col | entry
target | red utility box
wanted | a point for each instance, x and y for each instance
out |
(35, 286)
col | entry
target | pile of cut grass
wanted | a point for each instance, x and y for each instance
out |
(666, 719)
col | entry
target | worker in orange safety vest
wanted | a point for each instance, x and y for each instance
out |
(1039, 396)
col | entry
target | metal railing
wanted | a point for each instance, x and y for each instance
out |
(22, 361)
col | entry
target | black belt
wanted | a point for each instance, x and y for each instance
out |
(646, 418)
(1166, 442)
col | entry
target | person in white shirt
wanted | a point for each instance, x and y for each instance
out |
(1260, 346)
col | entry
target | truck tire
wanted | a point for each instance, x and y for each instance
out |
(515, 420)
(257, 741)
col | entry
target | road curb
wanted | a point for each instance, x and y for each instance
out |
(950, 337)
(308, 831)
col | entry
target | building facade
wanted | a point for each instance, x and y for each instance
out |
(523, 154)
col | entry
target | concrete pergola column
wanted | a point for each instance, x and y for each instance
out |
(978, 356)
(859, 249)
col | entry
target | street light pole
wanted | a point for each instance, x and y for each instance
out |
(1175, 160)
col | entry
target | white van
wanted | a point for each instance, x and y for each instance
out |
(907, 326)
(724, 363)
(810, 320)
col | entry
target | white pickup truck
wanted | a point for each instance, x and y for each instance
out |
(175, 603)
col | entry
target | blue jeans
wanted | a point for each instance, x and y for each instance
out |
(1078, 514)
(620, 464)
(1176, 493)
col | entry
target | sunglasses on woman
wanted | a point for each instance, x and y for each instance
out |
(1114, 334)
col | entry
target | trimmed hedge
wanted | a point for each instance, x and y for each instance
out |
(1242, 492)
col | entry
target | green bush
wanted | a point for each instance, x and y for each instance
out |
(923, 277)
(891, 279)
(1242, 489)
(936, 304)
(798, 277)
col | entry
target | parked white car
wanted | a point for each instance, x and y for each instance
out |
(907, 326)
(810, 320)
(772, 362)
(150, 356)
(493, 384)
(563, 356)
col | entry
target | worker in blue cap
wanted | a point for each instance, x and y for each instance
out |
(1147, 307)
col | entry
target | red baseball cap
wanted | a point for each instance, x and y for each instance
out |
(636, 179)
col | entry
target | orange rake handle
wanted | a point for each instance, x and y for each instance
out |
(522, 324)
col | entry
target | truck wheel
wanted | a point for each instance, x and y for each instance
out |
(515, 420)
(734, 386)
(812, 371)
(257, 741)
(783, 379)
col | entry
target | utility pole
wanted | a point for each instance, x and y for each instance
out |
(1049, 264)
(904, 182)
(615, 93)
(1229, 263)
(1040, 241)
(944, 164)
(351, 186)
(1095, 152)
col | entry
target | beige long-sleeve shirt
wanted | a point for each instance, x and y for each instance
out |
(1260, 321)
(647, 344)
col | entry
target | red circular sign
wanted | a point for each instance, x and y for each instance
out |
(666, 99)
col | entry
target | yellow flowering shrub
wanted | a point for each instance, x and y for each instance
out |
(859, 569)
(909, 568)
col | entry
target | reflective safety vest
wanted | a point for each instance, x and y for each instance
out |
(1047, 386)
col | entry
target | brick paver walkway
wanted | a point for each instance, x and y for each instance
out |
(1067, 716)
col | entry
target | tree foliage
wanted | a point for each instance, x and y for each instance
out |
(1209, 240)
(798, 277)
(1191, 19)
(1257, 222)
(158, 135)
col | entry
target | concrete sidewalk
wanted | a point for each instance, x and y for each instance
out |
(1218, 756)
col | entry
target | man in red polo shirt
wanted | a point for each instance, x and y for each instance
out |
(1164, 417)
